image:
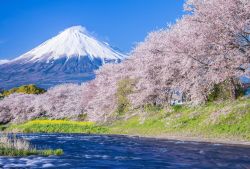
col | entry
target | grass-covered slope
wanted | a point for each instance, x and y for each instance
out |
(57, 126)
(225, 120)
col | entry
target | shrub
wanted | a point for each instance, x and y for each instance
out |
(26, 89)
(225, 90)
(177, 108)
(49, 152)
(152, 108)
(2, 127)
(13, 146)
(125, 87)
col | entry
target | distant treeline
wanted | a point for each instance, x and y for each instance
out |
(26, 89)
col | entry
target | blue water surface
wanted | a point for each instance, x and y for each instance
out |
(121, 152)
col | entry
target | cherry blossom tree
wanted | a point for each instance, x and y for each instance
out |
(207, 46)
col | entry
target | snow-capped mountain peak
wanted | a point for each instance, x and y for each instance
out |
(72, 42)
(70, 57)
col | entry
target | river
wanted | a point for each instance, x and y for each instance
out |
(122, 152)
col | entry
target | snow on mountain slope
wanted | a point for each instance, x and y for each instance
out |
(3, 61)
(74, 41)
(70, 57)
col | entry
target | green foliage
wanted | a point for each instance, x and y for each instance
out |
(6, 151)
(125, 87)
(152, 108)
(10, 145)
(49, 152)
(57, 126)
(2, 127)
(177, 108)
(226, 90)
(82, 117)
(26, 89)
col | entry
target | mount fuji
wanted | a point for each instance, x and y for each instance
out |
(70, 57)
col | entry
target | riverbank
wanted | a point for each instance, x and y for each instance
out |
(197, 139)
(56, 126)
(222, 122)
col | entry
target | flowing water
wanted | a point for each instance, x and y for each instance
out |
(107, 152)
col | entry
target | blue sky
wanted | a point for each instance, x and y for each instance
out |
(24, 24)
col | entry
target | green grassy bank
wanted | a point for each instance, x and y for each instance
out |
(57, 126)
(225, 120)
(221, 120)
